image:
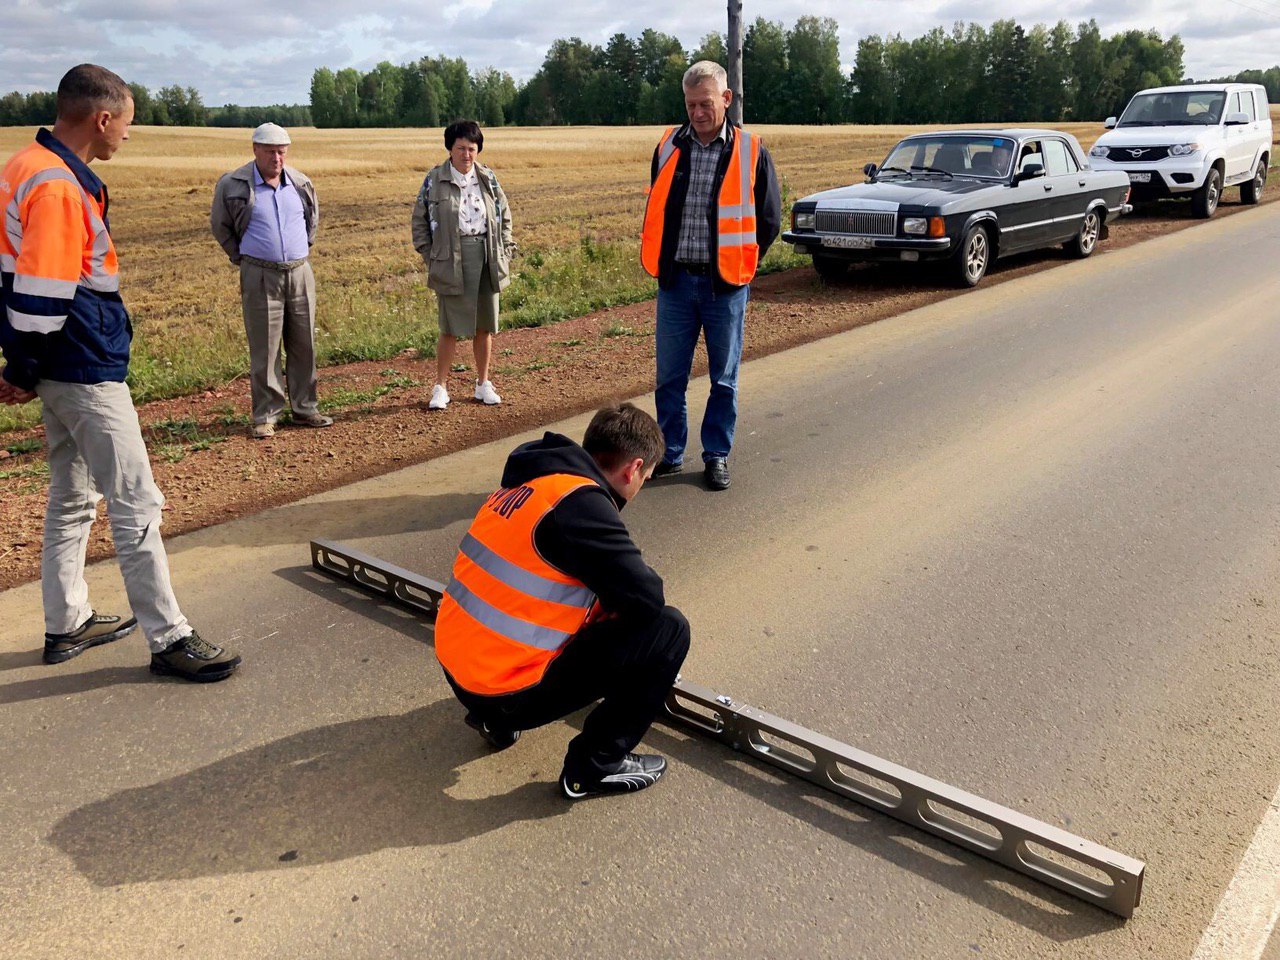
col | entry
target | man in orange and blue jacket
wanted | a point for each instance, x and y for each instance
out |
(65, 335)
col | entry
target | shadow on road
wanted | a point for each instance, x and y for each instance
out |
(1011, 895)
(358, 518)
(70, 683)
(320, 796)
(332, 590)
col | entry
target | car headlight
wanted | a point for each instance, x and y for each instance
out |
(802, 221)
(917, 225)
(1183, 149)
(1100, 151)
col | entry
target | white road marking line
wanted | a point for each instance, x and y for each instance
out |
(1247, 913)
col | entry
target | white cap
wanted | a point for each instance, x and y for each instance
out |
(271, 134)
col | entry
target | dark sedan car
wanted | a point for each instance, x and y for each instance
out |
(964, 197)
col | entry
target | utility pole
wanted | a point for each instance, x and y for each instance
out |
(735, 60)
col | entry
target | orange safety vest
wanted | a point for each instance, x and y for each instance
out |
(507, 613)
(66, 253)
(738, 251)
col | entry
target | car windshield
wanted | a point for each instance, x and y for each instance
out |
(1185, 108)
(955, 155)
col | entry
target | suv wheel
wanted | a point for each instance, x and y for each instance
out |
(1205, 200)
(830, 269)
(1251, 192)
(972, 258)
(1086, 240)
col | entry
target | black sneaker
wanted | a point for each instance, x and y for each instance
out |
(666, 469)
(637, 771)
(194, 658)
(97, 630)
(498, 739)
(716, 474)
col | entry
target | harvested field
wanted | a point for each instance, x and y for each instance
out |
(211, 472)
(577, 196)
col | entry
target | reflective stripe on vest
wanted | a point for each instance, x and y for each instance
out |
(738, 252)
(67, 253)
(507, 613)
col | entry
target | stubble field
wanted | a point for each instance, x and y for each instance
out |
(577, 198)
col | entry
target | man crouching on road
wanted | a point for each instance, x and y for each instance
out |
(551, 607)
(65, 335)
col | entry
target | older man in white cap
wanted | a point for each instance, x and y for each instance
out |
(264, 215)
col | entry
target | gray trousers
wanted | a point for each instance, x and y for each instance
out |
(95, 451)
(280, 311)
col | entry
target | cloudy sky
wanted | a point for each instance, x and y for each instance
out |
(251, 52)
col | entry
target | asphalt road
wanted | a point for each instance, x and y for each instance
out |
(1024, 541)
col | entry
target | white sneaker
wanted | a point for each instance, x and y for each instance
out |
(439, 397)
(486, 394)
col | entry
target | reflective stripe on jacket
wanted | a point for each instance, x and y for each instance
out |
(507, 613)
(735, 242)
(62, 317)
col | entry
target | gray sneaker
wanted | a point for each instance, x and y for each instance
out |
(97, 630)
(194, 658)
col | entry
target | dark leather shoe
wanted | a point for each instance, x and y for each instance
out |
(498, 739)
(716, 474)
(666, 469)
(637, 771)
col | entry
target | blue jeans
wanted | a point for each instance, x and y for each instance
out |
(689, 306)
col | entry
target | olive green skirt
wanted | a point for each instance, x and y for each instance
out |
(476, 308)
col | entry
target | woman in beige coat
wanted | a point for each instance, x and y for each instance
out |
(462, 228)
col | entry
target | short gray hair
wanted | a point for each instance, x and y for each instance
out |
(706, 70)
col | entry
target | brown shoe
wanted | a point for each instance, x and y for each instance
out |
(262, 431)
(97, 630)
(314, 420)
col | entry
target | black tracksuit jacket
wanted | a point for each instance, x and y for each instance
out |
(583, 535)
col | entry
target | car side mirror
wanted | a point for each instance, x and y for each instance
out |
(1030, 172)
(1110, 123)
(1237, 119)
(870, 170)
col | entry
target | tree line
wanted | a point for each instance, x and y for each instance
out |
(171, 106)
(969, 73)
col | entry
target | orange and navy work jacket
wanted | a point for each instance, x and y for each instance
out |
(735, 246)
(507, 613)
(61, 316)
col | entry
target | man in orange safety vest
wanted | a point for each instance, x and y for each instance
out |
(712, 213)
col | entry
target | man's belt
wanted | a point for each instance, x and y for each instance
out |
(284, 266)
(697, 269)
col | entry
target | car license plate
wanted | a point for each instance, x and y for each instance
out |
(1139, 178)
(856, 243)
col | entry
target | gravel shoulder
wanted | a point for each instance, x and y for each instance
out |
(211, 471)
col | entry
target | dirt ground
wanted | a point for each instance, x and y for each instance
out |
(211, 471)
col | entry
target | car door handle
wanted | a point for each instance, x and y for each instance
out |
(1048, 188)
(1082, 182)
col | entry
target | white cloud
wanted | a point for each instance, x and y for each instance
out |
(247, 52)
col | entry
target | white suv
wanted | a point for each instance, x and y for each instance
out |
(1191, 141)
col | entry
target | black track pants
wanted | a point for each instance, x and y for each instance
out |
(629, 668)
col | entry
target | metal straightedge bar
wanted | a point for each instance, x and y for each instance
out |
(1039, 850)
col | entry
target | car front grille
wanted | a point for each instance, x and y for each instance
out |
(1137, 154)
(860, 222)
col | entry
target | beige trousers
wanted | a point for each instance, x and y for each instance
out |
(280, 312)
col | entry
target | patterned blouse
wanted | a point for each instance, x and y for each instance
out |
(472, 220)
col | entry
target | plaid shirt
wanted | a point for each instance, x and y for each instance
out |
(694, 245)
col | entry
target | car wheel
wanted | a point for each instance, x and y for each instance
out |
(1251, 192)
(1084, 242)
(1205, 200)
(972, 258)
(830, 269)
